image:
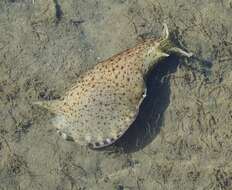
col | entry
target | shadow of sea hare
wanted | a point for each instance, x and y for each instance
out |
(105, 101)
(150, 117)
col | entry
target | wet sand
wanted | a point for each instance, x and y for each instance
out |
(182, 137)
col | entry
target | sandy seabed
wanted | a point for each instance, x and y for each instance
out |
(182, 138)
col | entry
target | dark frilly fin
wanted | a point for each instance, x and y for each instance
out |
(102, 144)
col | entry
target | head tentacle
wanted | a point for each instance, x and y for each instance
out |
(167, 45)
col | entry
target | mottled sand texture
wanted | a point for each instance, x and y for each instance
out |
(182, 137)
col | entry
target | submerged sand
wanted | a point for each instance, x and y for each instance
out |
(182, 138)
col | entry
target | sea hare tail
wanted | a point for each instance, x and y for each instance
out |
(52, 105)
